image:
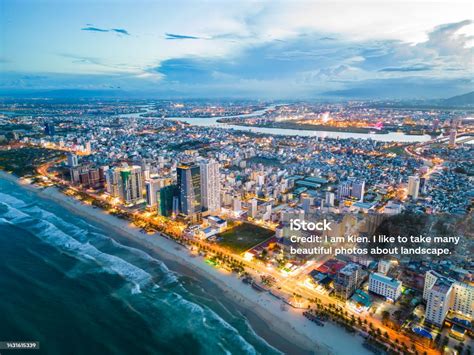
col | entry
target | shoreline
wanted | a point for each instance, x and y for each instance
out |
(286, 330)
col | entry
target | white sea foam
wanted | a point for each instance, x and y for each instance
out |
(47, 229)
(51, 234)
(11, 200)
(12, 213)
(136, 289)
(207, 316)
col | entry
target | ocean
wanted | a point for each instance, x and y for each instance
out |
(77, 289)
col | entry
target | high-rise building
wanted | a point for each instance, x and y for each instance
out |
(72, 160)
(49, 129)
(453, 133)
(94, 177)
(130, 184)
(253, 208)
(189, 185)
(152, 188)
(385, 286)
(413, 186)
(329, 201)
(112, 182)
(344, 190)
(358, 189)
(438, 301)
(347, 280)
(443, 294)
(126, 183)
(236, 204)
(75, 174)
(306, 202)
(352, 188)
(210, 186)
(168, 200)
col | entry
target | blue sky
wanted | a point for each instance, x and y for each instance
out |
(255, 49)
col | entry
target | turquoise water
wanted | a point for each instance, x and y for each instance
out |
(76, 289)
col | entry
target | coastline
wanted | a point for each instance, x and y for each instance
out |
(286, 330)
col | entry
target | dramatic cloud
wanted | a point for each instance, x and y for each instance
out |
(275, 49)
(173, 36)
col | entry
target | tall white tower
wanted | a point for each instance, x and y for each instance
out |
(413, 186)
(210, 186)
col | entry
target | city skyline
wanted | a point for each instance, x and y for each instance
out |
(389, 49)
(252, 177)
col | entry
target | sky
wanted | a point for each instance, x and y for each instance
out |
(252, 49)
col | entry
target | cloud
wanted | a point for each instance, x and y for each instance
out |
(315, 63)
(94, 29)
(119, 31)
(173, 36)
(414, 68)
(403, 88)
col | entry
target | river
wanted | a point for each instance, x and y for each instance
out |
(212, 122)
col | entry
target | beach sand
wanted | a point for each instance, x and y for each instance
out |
(286, 329)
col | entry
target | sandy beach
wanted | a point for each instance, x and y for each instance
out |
(285, 329)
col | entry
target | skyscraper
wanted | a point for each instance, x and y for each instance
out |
(167, 197)
(152, 188)
(413, 186)
(125, 183)
(130, 184)
(189, 186)
(210, 186)
(112, 182)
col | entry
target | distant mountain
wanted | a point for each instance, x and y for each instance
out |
(64, 94)
(460, 100)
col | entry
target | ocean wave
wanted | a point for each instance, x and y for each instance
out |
(81, 243)
(69, 228)
(136, 289)
(12, 200)
(12, 214)
(51, 234)
(211, 321)
(169, 277)
(53, 225)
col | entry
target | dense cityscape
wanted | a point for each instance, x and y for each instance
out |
(227, 192)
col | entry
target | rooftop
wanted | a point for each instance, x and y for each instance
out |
(387, 280)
